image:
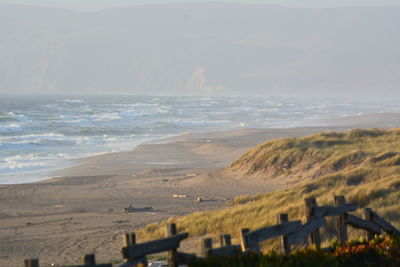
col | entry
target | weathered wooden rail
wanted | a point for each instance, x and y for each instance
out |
(292, 232)
(134, 253)
(289, 233)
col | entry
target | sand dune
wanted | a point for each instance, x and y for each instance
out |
(80, 210)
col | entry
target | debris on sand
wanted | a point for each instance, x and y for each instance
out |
(179, 196)
(130, 208)
(121, 221)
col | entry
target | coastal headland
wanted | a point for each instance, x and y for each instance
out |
(80, 210)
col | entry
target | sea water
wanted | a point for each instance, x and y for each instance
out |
(41, 133)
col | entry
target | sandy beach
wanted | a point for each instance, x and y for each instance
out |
(79, 211)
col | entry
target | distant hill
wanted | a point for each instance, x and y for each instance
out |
(201, 48)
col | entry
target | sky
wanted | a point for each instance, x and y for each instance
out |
(93, 5)
(209, 48)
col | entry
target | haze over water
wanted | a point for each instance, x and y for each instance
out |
(41, 133)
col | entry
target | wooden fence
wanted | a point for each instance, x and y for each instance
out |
(289, 233)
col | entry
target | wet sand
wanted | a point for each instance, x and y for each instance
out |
(79, 211)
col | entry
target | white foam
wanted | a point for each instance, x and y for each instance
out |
(50, 139)
(105, 117)
(20, 117)
(30, 162)
(143, 105)
(12, 127)
(77, 122)
(26, 162)
(72, 101)
(32, 138)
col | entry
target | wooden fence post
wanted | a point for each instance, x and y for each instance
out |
(31, 263)
(283, 218)
(172, 254)
(311, 203)
(340, 225)
(89, 259)
(244, 244)
(367, 215)
(128, 239)
(206, 246)
(225, 240)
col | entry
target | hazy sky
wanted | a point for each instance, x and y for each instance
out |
(208, 48)
(89, 5)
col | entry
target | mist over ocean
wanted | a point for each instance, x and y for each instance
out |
(41, 133)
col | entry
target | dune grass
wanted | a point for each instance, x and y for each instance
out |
(362, 165)
(320, 154)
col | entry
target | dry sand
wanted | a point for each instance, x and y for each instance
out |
(79, 211)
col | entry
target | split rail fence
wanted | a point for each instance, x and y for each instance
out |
(289, 233)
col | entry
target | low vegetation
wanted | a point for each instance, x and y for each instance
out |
(362, 165)
(379, 252)
(321, 154)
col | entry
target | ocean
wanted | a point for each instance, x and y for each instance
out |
(39, 134)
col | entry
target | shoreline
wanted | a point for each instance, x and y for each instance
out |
(382, 120)
(82, 207)
(374, 120)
